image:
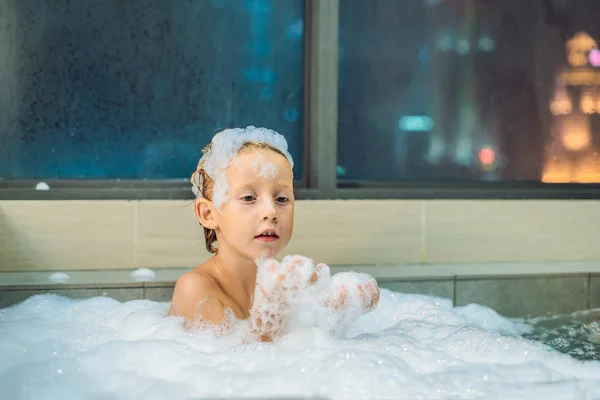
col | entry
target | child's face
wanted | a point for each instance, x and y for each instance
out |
(258, 218)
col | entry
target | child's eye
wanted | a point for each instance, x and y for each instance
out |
(248, 198)
(282, 200)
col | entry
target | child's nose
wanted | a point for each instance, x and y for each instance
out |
(269, 210)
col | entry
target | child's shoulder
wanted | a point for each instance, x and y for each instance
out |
(197, 293)
(197, 281)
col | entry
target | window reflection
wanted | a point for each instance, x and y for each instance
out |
(134, 89)
(469, 90)
(572, 154)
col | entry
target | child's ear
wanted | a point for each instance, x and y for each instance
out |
(206, 213)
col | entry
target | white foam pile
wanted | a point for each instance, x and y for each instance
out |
(410, 347)
(143, 275)
(59, 277)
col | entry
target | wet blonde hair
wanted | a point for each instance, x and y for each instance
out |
(210, 236)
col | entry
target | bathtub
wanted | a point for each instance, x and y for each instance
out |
(411, 347)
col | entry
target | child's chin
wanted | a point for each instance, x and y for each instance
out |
(266, 254)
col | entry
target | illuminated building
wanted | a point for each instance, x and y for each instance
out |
(573, 151)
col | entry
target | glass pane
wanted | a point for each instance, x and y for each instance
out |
(135, 88)
(469, 90)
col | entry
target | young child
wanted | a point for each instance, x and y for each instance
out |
(245, 203)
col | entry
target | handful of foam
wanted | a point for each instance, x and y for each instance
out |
(292, 278)
(350, 295)
(351, 290)
(296, 284)
(280, 287)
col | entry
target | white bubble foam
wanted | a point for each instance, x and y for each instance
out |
(266, 170)
(42, 186)
(410, 347)
(59, 277)
(223, 152)
(143, 275)
(490, 320)
(283, 289)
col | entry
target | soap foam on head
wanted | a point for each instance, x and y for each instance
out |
(223, 152)
(265, 170)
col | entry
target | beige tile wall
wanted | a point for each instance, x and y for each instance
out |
(168, 234)
(50, 235)
(358, 231)
(483, 231)
(53, 235)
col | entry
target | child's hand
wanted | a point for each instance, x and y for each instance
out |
(287, 282)
(280, 286)
(352, 290)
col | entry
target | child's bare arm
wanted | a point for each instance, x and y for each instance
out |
(194, 299)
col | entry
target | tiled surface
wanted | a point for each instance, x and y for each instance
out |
(51, 235)
(358, 231)
(520, 297)
(10, 297)
(595, 291)
(438, 288)
(79, 277)
(481, 231)
(168, 276)
(380, 234)
(168, 235)
(161, 294)
(519, 269)
(512, 297)
(71, 286)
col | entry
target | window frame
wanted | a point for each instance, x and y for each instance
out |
(321, 38)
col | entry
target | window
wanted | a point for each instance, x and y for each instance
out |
(469, 90)
(378, 99)
(134, 89)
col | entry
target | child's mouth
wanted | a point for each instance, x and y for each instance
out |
(267, 237)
